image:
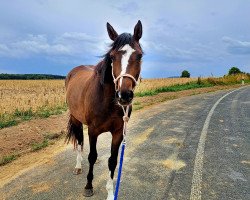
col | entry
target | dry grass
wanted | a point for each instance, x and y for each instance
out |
(23, 95)
(152, 84)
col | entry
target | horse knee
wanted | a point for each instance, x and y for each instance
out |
(92, 158)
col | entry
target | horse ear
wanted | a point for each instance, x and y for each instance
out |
(111, 31)
(138, 31)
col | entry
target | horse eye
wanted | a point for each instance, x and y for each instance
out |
(138, 57)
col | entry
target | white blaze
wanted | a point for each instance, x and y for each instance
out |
(125, 58)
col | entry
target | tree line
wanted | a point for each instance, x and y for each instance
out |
(29, 76)
(232, 71)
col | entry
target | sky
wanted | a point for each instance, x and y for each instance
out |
(206, 38)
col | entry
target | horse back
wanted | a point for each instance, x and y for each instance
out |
(75, 71)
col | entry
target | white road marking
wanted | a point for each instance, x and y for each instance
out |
(198, 164)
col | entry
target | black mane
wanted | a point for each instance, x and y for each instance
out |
(103, 66)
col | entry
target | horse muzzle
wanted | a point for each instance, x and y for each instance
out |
(125, 97)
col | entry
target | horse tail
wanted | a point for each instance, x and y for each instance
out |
(75, 132)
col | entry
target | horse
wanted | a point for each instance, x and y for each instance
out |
(96, 97)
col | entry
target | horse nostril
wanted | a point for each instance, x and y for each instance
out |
(127, 96)
(130, 95)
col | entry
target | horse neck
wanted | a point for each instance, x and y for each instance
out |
(108, 90)
(105, 89)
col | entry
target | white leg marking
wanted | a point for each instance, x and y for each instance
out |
(125, 58)
(198, 163)
(79, 157)
(110, 188)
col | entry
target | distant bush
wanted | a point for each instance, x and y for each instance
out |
(234, 70)
(185, 74)
(228, 79)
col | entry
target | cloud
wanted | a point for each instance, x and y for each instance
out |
(129, 7)
(33, 44)
(78, 36)
(38, 44)
(4, 50)
(237, 47)
(69, 44)
(171, 54)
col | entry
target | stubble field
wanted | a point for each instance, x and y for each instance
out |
(46, 97)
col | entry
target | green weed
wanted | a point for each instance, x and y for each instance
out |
(173, 88)
(18, 116)
(137, 107)
(7, 159)
(38, 146)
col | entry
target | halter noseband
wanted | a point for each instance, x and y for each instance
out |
(124, 75)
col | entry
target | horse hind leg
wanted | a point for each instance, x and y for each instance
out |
(75, 133)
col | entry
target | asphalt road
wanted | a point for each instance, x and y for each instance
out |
(160, 155)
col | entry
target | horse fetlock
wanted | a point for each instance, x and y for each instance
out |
(109, 185)
(77, 171)
(79, 157)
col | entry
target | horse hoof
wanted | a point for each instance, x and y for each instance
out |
(77, 171)
(88, 192)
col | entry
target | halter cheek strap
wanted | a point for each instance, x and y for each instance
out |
(124, 75)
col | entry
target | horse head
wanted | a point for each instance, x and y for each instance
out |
(125, 60)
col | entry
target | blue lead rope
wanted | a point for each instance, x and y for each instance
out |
(125, 119)
(119, 171)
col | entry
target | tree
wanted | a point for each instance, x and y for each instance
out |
(234, 70)
(185, 74)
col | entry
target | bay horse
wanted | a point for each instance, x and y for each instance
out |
(97, 95)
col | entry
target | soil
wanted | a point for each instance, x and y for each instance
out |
(19, 139)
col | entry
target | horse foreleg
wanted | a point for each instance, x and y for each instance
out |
(92, 159)
(112, 163)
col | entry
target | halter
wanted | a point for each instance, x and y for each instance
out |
(124, 75)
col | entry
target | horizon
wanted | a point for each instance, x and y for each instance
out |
(141, 77)
(52, 37)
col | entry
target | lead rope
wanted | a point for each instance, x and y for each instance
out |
(125, 121)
